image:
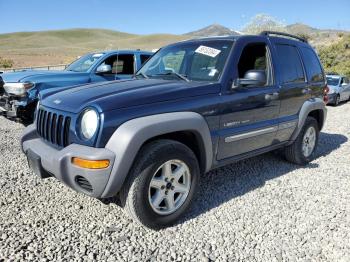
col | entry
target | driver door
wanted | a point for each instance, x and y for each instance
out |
(250, 114)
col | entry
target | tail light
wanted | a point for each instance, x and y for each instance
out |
(325, 94)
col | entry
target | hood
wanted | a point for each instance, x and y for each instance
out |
(32, 75)
(120, 94)
(332, 88)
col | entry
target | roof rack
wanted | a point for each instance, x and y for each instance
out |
(267, 33)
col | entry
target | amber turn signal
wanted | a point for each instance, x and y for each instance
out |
(90, 164)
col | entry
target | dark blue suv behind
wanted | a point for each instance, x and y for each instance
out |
(194, 106)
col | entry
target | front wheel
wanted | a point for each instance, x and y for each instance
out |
(161, 184)
(303, 148)
(337, 100)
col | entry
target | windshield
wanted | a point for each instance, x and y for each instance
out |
(84, 63)
(333, 81)
(201, 61)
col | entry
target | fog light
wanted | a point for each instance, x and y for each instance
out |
(90, 164)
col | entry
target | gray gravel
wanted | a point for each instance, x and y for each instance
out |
(262, 209)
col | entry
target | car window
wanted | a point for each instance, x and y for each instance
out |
(84, 63)
(255, 56)
(195, 61)
(333, 81)
(312, 65)
(173, 60)
(144, 58)
(290, 64)
(120, 64)
(346, 80)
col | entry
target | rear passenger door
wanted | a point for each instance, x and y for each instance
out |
(249, 119)
(294, 90)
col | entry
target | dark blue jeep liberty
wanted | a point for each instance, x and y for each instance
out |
(193, 107)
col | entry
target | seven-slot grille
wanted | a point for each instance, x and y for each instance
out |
(53, 127)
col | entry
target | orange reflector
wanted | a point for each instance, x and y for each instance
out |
(90, 164)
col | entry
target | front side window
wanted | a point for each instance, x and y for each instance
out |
(84, 63)
(312, 65)
(120, 64)
(290, 64)
(255, 57)
(201, 61)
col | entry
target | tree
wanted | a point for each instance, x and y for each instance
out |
(263, 22)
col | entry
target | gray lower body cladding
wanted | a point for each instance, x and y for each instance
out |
(58, 163)
(121, 150)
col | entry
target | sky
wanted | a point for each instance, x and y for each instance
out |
(156, 16)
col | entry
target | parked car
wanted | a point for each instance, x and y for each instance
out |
(339, 89)
(19, 96)
(195, 106)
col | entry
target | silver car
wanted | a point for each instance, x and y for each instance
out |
(339, 89)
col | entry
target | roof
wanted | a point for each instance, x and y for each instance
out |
(123, 51)
(267, 34)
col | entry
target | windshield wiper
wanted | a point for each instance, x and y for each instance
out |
(175, 74)
(142, 74)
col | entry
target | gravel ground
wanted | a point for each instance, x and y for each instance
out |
(261, 209)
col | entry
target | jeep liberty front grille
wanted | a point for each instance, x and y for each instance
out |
(53, 127)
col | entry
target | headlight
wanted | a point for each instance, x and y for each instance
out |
(89, 123)
(17, 89)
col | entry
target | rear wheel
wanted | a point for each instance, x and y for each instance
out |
(303, 149)
(161, 184)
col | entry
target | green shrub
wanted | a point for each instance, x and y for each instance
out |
(336, 57)
(5, 63)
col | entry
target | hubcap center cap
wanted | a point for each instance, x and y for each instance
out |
(168, 185)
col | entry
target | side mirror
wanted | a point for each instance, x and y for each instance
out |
(102, 69)
(251, 78)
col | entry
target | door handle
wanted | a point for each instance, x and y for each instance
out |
(272, 96)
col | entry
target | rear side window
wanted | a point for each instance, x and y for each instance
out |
(312, 65)
(290, 64)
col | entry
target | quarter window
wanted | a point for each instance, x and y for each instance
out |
(290, 64)
(312, 64)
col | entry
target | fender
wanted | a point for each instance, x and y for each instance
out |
(309, 106)
(127, 140)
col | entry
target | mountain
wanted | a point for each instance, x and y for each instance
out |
(42, 48)
(212, 30)
(63, 46)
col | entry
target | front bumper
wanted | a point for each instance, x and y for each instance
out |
(13, 106)
(7, 107)
(47, 160)
(332, 98)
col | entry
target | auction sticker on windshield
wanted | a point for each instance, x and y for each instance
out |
(209, 51)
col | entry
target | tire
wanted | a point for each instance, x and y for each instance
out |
(294, 153)
(138, 196)
(337, 100)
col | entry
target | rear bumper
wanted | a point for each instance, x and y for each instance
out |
(47, 160)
